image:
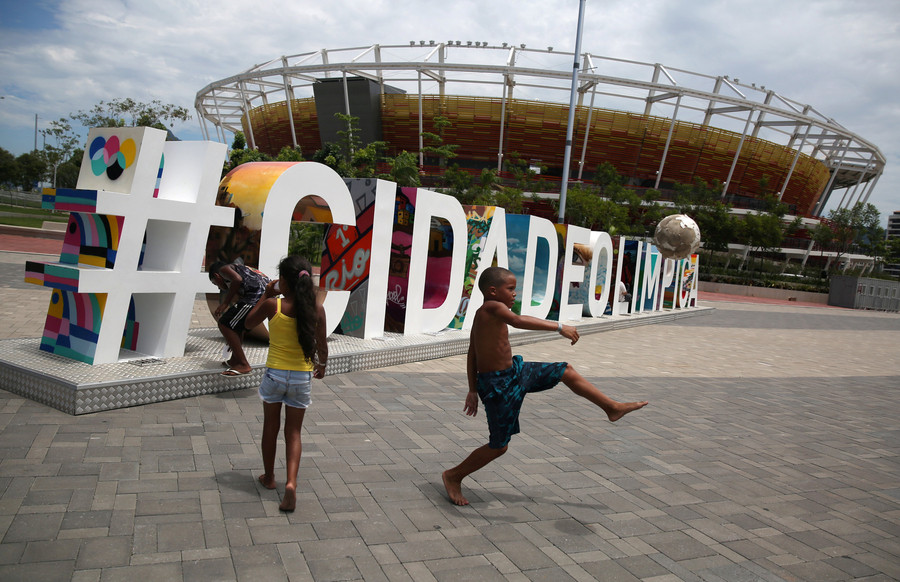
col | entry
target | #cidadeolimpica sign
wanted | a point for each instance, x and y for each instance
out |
(147, 213)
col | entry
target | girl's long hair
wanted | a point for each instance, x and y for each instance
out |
(296, 281)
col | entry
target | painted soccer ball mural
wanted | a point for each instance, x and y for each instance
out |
(677, 236)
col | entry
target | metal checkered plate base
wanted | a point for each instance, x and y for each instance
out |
(79, 388)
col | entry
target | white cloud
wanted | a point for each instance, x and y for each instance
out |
(837, 55)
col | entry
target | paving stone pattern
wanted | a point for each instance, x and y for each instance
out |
(769, 452)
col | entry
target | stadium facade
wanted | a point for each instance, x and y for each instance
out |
(658, 125)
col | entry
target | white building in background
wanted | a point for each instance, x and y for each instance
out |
(893, 231)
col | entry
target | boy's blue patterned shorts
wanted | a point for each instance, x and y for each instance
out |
(503, 391)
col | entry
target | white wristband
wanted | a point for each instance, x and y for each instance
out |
(558, 327)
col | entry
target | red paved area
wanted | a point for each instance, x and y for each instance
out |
(30, 244)
(706, 296)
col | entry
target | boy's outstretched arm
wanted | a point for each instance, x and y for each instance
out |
(569, 332)
(529, 322)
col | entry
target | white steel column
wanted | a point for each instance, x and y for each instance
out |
(507, 95)
(202, 121)
(794, 163)
(870, 188)
(855, 188)
(824, 199)
(737, 154)
(862, 175)
(567, 156)
(662, 162)
(502, 126)
(587, 131)
(654, 79)
(288, 97)
(245, 105)
(421, 129)
(347, 111)
(218, 127)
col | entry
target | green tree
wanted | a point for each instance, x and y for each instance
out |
(697, 194)
(718, 227)
(405, 169)
(585, 207)
(433, 142)
(607, 178)
(32, 168)
(848, 226)
(239, 142)
(9, 169)
(822, 235)
(331, 156)
(761, 231)
(873, 242)
(510, 199)
(349, 138)
(482, 191)
(289, 154)
(703, 203)
(457, 182)
(239, 157)
(67, 172)
(61, 146)
(128, 112)
(364, 161)
(642, 211)
(308, 240)
(528, 178)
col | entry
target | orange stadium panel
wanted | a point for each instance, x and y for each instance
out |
(633, 143)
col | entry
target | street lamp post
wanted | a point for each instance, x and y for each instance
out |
(567, 157)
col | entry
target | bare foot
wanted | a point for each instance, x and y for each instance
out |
(267, 481)
(624, 408)
(289, 501)
(454, 490)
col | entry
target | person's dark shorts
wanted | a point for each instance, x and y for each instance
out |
(235, 316)
(503, 391)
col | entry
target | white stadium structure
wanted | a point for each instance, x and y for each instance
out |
(658, 125)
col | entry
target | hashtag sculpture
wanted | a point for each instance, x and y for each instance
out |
(131, 264)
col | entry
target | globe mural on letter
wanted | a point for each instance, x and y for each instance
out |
(677, 236)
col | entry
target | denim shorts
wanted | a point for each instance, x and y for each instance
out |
(289, 387)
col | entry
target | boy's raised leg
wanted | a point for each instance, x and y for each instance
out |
(614, 410)
(477, 459)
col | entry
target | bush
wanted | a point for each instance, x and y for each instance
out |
(720, 268)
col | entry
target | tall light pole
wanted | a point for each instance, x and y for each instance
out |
(567, 157)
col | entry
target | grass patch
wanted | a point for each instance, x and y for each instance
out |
(49, 214)
(29, 216)
(36, 222)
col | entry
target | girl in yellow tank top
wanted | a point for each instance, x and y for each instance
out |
(298, 351)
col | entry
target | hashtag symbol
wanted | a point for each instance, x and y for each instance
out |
(132, 259)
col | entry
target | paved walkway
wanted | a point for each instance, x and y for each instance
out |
(769, 452)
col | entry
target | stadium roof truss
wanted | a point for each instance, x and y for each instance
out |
(484, 70)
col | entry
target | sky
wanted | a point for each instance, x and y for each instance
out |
(61, 56)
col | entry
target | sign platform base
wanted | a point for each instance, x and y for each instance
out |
(78, 388)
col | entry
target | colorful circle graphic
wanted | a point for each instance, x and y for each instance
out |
(111, 156)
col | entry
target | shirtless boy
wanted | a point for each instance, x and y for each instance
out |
(501, 380)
